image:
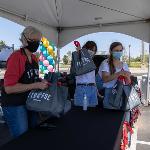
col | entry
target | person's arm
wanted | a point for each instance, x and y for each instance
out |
(19, 87)
(14, 72)
(127, 73)
(107, 77)
(105, 73)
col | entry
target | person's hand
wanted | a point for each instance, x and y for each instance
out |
(128, 80)
(44, 81)
(40, 85)
(124, 76)
(78, 48)
(127, 74)
(124, 73)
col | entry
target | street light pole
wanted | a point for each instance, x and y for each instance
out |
(129, 54)
(143, 53)
(13, 47)
(148, 79)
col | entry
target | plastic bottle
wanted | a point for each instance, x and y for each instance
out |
(85, 102)
(1, 116)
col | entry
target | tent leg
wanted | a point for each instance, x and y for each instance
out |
(148, 79)
(58, 50)
(58, 59)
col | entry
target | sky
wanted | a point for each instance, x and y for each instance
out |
(104, 39)
(10, 33)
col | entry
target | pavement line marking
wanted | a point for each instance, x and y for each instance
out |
(143, 142)
(134, 138)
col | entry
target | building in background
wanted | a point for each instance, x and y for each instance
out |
(5, 52)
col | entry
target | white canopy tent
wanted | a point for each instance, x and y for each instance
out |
(65, 20)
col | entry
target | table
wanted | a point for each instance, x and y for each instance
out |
(94, 129)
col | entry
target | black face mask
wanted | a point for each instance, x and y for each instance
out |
(33, 46)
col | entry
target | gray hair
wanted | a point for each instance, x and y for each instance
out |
(27, 32)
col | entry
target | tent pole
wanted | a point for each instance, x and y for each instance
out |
(58, 58)
(58, 49)
(58, 18)
(148, 78)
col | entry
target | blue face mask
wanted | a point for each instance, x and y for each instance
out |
(117, 55)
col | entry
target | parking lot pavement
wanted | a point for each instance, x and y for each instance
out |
(143, 134)
(141, 137)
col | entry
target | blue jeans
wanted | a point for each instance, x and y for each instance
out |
(91, 93)
(19, 119)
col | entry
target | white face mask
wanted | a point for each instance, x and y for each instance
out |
(91, 53)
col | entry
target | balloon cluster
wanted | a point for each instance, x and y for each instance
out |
(46, 56)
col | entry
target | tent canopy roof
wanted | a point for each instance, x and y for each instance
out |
(64, 20)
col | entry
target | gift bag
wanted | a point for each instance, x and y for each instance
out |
(51, 100)
(82, 62)
(124, 97)
(132, 97)
(52, 77)
(116, 96)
